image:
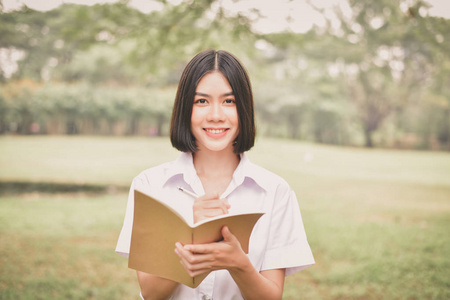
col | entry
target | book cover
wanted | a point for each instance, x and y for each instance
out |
(157, 227)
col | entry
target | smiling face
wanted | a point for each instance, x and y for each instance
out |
(214, 119)
(232, 78)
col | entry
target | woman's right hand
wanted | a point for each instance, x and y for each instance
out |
(208, 206)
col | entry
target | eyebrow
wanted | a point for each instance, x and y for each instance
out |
(206, 95)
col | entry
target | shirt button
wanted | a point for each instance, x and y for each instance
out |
(206, 297)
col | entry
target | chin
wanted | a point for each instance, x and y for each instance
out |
(217, 148)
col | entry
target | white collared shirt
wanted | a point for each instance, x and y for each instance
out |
(278, 239)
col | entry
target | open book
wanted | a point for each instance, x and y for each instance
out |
(157, 227)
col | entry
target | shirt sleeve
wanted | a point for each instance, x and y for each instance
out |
(123, 244)
(287, 243)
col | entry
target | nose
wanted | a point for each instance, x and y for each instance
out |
(216, 113)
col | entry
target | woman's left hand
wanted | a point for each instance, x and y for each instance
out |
(201, 258)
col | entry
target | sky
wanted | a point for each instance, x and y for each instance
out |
(302, 16)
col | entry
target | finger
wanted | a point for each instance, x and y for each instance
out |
(190, 254)
(223, 208)
(221, 204)
(195, 264)
(228, 236)
(196, 261)
(208, 204)
(206, 214)
(200, 248)
(225, 205)
(208, 197)
(179, 246)
(186, 257)
(212, 204)
(214, 212)
(225, 202)
(183, 252)
(179, 250)
(212, 201)
(178, 253)
(192, 271)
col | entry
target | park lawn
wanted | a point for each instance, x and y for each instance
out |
(377, 220)
(81, 160)
(62, 247)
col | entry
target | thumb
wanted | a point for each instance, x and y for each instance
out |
(227, 235)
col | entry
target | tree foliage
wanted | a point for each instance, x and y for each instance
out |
(379, 78)
(384, 53)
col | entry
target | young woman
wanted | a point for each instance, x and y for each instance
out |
(213, 125)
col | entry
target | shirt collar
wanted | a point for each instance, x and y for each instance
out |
(246, 170)
(184, 165)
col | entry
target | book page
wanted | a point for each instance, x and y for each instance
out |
(156, 229)
(240, 225)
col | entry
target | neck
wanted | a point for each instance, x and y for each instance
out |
(211, 164)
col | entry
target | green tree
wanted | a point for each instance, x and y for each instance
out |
(151, 48)
(384, 52)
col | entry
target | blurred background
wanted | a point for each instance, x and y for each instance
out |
(366, 73)
(353, 108)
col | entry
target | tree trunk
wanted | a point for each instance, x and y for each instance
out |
(161, 120)
(444, 131)
(368, 138)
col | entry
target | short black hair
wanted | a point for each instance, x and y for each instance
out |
(205, 62)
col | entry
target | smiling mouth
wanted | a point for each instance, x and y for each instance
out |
(215, 131)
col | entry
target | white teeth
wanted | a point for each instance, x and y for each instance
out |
(215, 130)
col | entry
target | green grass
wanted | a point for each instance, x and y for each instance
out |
(61, 247)
(94, 160)
(377, 220)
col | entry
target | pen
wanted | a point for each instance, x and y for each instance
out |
(193, 195)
